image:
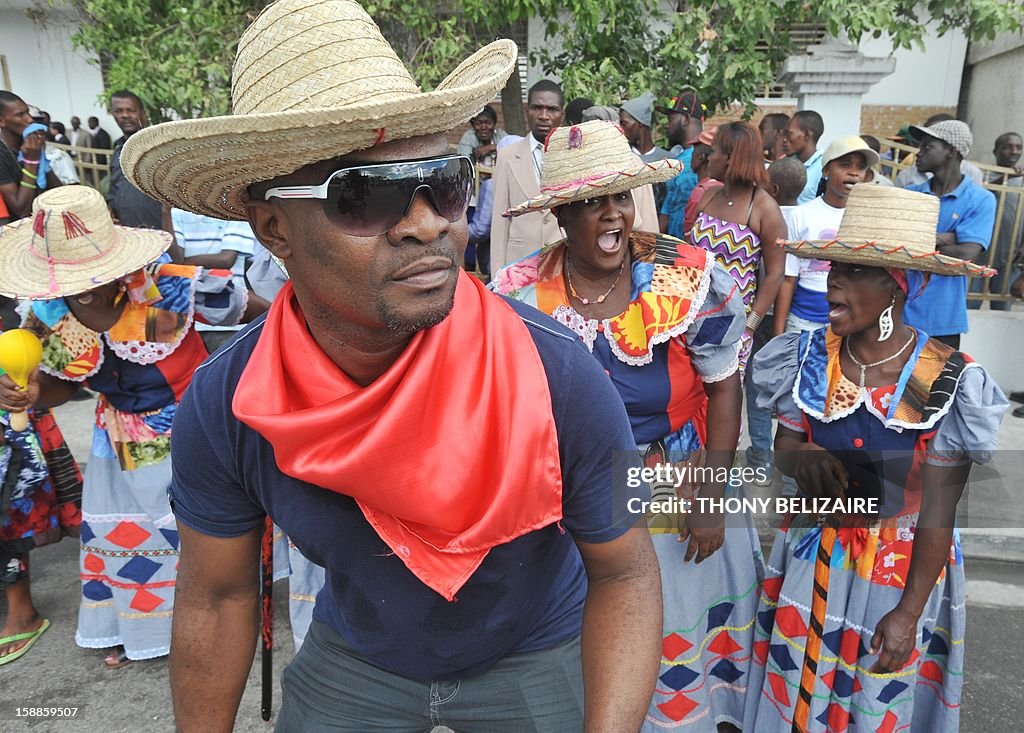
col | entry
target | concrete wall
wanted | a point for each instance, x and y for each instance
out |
(47, 72)
(928, 78)
(995, 103)
(995, 341)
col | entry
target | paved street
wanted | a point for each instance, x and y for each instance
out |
(136, 699)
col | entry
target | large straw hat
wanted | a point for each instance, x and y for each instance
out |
(312, 80)
(70, 245)
(588, 160)
(888, 227)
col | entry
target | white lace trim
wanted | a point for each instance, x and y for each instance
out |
(585, 328)
(165, 521)
(150, 352)
(723, 375)
(864, 398)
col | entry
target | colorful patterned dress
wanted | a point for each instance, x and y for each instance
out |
(140, 368)
(40, 491)
(944, 410)
(680, 330)
(736, 248)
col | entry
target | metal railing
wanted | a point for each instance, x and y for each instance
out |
(1004, 252)
(90, 172)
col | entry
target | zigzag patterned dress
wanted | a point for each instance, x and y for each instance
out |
(736, 247)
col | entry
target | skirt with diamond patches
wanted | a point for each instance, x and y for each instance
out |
(868, 569)
(708, 630)
(129, 555)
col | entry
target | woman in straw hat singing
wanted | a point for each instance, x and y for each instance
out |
(862, 613)
(665, 322)
(114, 315)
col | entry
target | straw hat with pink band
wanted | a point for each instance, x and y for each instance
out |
(589, 160)
(70, 245)
(312, 81)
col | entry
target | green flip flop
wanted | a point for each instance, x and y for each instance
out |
(31, 636)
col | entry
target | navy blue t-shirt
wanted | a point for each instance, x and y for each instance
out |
(527, 595)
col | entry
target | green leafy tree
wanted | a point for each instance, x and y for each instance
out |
(177, 54)
(732, 49)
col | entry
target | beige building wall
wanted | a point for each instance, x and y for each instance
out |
(994, 96)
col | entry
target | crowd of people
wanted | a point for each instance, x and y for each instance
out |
(273, 314)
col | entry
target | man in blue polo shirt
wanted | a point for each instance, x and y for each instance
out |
(457, 463)
(967, 214)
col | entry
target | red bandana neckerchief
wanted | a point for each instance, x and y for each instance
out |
(450, 452)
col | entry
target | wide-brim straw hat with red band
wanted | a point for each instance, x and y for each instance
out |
(589, 160)
(888, 227)
(69, 245)
(312, 80)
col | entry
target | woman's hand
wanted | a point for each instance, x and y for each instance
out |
(706, 532)
(18, 399)
(746, 345)
(894, 639)
(819, 473)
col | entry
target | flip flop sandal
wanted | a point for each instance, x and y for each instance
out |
(28, 637)
(117, 660)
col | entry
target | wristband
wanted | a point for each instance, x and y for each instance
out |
(27, 172)
(754, 320)
(26, 184)
(26, 161)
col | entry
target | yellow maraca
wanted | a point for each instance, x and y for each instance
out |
(20, 353)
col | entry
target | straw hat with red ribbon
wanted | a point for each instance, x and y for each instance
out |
(312, 80)
(888, 227)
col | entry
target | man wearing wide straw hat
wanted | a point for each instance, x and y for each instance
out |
(460, 533)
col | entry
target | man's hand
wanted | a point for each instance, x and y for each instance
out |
(32, 146)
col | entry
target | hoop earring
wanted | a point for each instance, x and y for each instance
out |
(885, 324)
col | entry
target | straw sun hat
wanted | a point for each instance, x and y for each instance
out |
(888, 227)
(588, 160)
(70, 245)
(312, 80)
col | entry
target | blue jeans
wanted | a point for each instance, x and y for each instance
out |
(759, 420)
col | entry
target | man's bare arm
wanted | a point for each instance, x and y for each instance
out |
(621, 642)
(216, 623)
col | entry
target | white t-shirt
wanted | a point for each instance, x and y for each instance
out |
(814, 220)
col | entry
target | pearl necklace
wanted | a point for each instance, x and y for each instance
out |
(572, 290)
(865, 367)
